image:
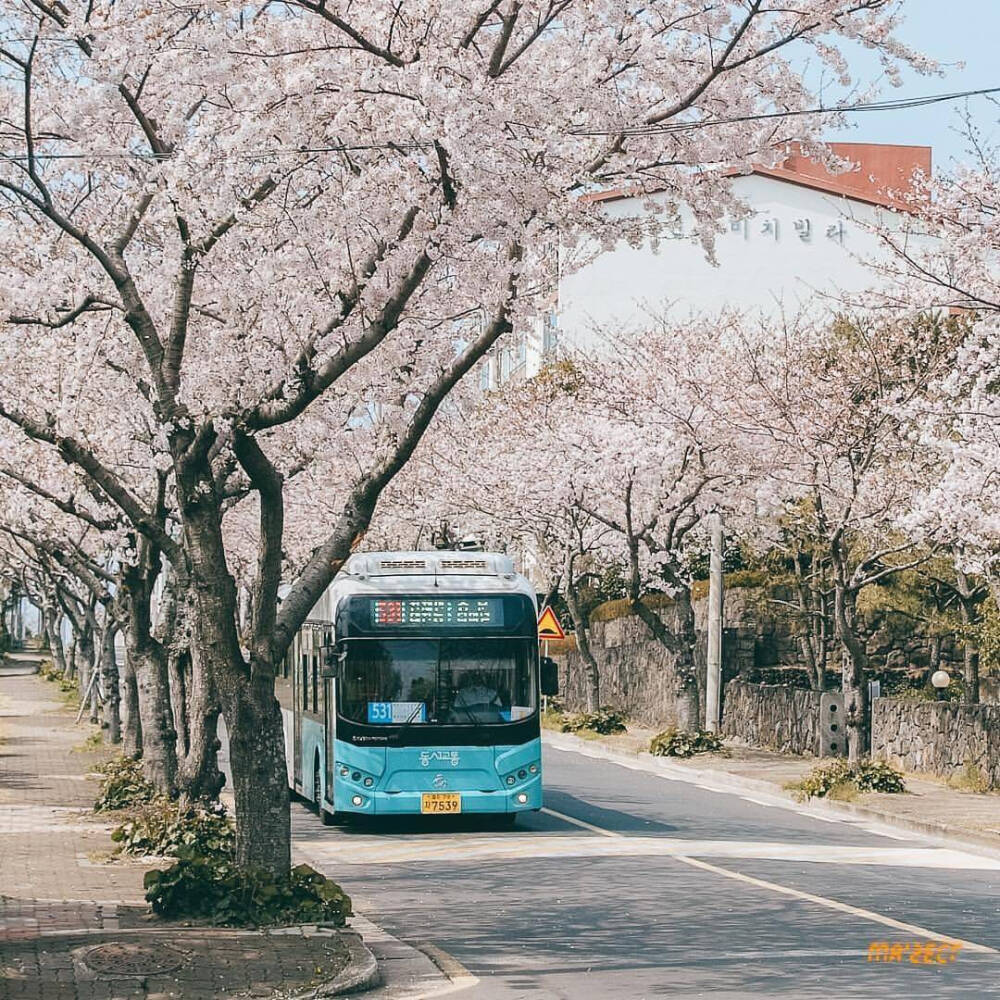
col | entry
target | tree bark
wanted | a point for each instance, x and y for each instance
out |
(246, 691)
(967, 602)
(591, 671)
(71, 657)
(260, 775)
(88, 665)
(131, 724)
(52, 621)
(198, 774)
(854, 665)
(159, 757)
(109, 679)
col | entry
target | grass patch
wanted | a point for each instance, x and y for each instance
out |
(971, 779)
(92, 743)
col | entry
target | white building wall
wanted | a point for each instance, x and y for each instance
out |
(800, 248)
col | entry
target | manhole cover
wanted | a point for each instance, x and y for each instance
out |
(124, 959)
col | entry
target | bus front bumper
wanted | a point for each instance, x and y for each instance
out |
(377, 803)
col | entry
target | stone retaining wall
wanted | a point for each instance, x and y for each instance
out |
(938, 737)
(638, 674)
(772, 716)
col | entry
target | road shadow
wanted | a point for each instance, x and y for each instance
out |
(615, 820)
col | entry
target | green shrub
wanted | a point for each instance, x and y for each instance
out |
(215, 889)
(878, 776)
(866, 776)
(122, 785)
(164, 826)
(675, 742)
(604, 721)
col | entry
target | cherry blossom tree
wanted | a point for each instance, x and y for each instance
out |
(823, 409)
(221, 223)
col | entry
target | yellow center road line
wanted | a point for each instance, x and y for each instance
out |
(833, 904)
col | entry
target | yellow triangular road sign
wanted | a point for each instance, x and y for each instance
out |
(549, 627)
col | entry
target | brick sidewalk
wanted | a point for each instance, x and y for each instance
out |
(929, 802)
(73, 923)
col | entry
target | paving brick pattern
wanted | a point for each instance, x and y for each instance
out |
(61, 895)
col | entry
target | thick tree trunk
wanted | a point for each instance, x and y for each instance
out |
(246, 693)
(109, 680)
(970, 615)
(260, 776)
(88, 666)
(198, 774)
(591, 671)
(55, 641)
(131, 724)
(71, 656)
(159, 757)
(854, 682)
(970, 673)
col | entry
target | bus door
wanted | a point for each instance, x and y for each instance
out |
(329, 733)
(300, 696)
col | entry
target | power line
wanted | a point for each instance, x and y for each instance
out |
(664, 128)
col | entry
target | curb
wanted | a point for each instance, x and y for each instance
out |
(952, 836)
(361, 973)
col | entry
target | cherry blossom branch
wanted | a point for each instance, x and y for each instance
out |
(359, 508)
(74, 453)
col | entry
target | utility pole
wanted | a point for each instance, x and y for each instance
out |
(713, 684)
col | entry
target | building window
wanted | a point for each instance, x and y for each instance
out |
(315, 692)
(484, 376)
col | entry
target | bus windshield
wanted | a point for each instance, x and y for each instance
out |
(443, 681)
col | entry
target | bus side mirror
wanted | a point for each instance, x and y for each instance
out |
(333, 657)
(549, 676)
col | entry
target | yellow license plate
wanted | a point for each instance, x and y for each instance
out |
(441, 802)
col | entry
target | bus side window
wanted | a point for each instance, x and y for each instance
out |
(315, 681)
(305, 682)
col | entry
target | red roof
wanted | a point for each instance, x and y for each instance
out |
(881, 173)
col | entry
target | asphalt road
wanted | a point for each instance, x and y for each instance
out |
(630, 885)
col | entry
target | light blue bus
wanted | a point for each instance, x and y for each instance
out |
(414, 688)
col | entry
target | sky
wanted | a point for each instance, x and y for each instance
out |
(952, 32)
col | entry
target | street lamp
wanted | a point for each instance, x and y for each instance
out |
(940, 679)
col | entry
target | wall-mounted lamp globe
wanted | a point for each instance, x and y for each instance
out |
(940, 679)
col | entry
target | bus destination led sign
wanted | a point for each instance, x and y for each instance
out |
(437, 612)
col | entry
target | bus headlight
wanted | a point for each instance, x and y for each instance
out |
(368, 782)
(511, 779)
(533, 768)
(357, 800)
(521, 798)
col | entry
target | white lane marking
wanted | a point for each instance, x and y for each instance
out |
(833, 904)
(580, 823)
(612, 844)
